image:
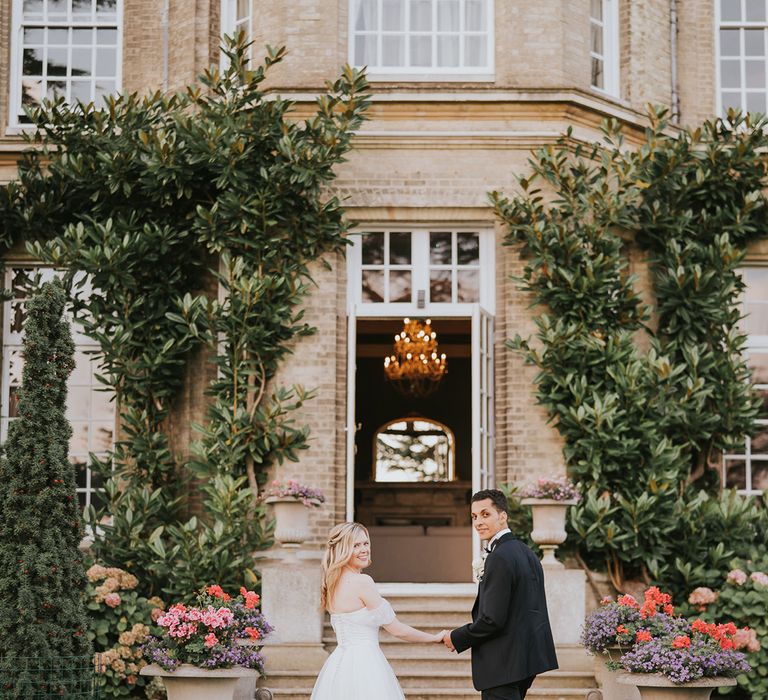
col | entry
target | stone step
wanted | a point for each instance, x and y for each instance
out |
(432, 677)
(303, 693)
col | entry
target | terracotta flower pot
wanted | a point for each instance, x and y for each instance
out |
(189, 682)
(607, 680)
(291, 520)
(654, 686)
(548, 526)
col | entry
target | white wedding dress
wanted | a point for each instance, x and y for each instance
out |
(357, 669)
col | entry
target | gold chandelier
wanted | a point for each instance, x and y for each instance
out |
(415, 368)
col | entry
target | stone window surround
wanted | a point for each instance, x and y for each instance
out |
(433, 73)
(18, 25)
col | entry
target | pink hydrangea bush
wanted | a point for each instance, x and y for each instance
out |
(121, 622)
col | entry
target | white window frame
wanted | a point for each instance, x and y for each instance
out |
(420, 267)
(422, 74)
(15, 81)
(759, 345)
(12, 340)
(610, 55)
(721, 24)
(230, 23)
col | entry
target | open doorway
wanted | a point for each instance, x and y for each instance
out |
(413, 467)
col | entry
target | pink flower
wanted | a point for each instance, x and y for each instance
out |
(251, 598)
(746, 639)
(112, 599)
(759, 578)
(737, 577)
(210, 640)
(701, 597)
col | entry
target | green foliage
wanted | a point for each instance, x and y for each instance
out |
(120, 621)
(746, 604)
(642, 428)
(159, 199)
(42, 580)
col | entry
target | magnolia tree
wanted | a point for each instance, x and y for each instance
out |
(43, 622)
(196, 218)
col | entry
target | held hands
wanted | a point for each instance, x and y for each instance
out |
(446, 639)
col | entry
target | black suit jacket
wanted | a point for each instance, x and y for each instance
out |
(510, 636)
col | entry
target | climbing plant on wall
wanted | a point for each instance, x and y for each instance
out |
(197, 217)
(642, 428)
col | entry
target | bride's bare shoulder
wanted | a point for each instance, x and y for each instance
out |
(363, 582)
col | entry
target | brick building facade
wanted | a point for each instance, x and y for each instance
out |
(462, 91)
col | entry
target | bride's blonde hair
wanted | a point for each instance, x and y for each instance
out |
(338, 551)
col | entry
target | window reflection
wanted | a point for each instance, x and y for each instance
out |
(414, 450)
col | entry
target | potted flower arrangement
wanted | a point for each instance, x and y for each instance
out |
(206, 649)
(549, 499)
(291, 502)
(662, 652)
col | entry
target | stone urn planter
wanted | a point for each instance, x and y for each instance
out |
(291, 520)
(652, 686)
(548, 526)
(189, 682)
(607, 680)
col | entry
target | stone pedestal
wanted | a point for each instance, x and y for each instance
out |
(566, 602)
(290, 600)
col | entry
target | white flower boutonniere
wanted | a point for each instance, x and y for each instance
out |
(478, 567)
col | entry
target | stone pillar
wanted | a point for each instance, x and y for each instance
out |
(290, 600)
(566, 602)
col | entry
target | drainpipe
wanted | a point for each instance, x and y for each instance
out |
(674, 93)
(165, 25)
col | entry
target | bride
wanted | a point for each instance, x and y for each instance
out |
(357, 669)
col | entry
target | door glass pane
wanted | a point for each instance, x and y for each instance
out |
(754, 42)
(32, 62)
(760, 475)
(373, 286)
(440, 248)
(474, 51)
(448, 51)
(57, 61)
(474, 17)
(421, 51)
(730, 74)
(758, 363)
(756, 102)
(448, 15)
(421, 15)
(366, 15)
(440, 286)
(365, 49)
(755, 74)
(399, 248)
(597, 39)
(373, 249)
(468, 248)
(735, 473)
(760, 440)
(400, 286)
(393, 50)
(597, 73)
(596, 9)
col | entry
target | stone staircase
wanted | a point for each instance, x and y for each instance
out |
(429, 672)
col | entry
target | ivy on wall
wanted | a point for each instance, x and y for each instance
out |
(643, 429)
(157, 199)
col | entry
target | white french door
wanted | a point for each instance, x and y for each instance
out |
(483, 470)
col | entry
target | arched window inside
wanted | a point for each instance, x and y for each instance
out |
(414, 449)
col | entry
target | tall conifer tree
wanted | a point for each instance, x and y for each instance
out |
(42, 617)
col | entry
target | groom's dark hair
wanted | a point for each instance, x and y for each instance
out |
(497, 497)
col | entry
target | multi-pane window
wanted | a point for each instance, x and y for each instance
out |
(604, 43)
(67, 48)
(422, 268)
(387, 267)
(747, 468)
(422, 37)
(742, 37)
(89, 409)
(236, 17)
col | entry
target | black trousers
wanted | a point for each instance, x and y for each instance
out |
(511, 691)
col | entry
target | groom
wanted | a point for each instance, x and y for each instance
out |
(509, 634)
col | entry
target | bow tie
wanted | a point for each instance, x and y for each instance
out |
(489, 548)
